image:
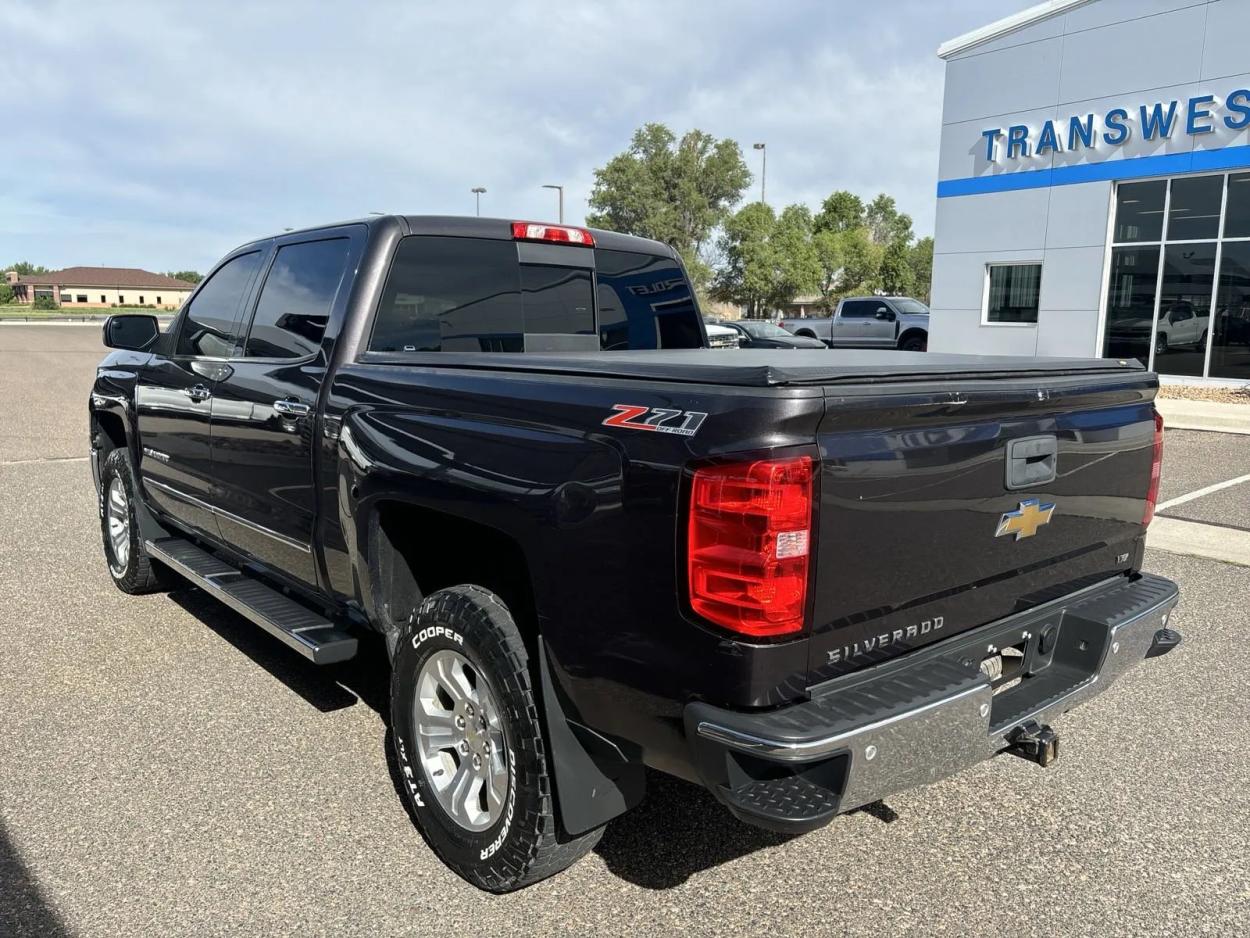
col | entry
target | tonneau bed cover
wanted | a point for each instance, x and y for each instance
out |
(767, 367)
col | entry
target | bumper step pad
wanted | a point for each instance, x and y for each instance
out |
(312, 635)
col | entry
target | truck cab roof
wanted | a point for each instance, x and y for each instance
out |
(473, 227)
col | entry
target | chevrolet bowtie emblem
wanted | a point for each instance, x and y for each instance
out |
(1025, 520)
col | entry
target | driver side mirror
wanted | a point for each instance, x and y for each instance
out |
(885, 314)
(133, 332)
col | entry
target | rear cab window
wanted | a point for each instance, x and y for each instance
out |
(458, 294)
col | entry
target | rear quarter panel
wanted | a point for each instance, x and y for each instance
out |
(593, 508)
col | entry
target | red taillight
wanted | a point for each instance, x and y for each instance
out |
(1156, 468)
(564, 234)
(748, 544)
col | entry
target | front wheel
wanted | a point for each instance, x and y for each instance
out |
(470, 744)
(133, 571)
(915, 343)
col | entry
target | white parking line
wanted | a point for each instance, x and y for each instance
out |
(1181, 499)
(27, 462)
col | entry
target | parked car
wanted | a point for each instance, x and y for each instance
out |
(803, 580)
(758, 333)
(720, 336)
(869, 322)
(1179, 326)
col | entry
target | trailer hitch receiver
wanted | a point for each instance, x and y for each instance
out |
(1036, 743)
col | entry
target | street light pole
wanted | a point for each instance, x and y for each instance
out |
(560, 190)
(477, 199)
(763, 169)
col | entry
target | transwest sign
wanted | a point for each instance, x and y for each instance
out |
(1196, 116)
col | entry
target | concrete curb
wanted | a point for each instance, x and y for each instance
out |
(1204, 415)
(1231, 545)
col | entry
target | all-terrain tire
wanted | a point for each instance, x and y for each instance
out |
(135, 572)
(525, 844)
(914, 343)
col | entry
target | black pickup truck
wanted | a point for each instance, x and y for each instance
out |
(803, 580)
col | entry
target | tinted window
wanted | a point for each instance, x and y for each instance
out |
(451, 294)
(859, 309)
(1237, 214)
(1230, 349)
(1139, 210)
(1185, 302)
(208, 328)
(644, 303)
(1014, 292)
(1195, 208)
(295, 302)
(558, 300)
(1131, 302)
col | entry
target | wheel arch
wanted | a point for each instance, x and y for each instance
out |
(415, 550)
(912, 332)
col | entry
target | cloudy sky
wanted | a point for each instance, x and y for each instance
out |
(162, 134)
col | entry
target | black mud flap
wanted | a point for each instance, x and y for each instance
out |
(595, 779)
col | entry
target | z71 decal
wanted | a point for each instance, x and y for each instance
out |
(656, 419)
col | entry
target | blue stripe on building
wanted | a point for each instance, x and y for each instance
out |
(1168, 164)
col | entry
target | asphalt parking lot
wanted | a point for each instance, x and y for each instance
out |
(166, 768)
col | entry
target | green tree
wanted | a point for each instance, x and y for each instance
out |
(44, 302)
(841, 211)
(190, 276)
(675, 191)
(768, 259)
(26, 268)
(849, 263)
(885, 222)
(921, 261)
(895, 272)
(6, 293)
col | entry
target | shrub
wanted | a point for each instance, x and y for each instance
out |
(45, 302)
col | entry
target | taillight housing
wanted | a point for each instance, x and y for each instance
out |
(1156, 469)
(748, 545)
(561, 234)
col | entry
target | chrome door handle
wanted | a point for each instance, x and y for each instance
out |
(198, 392)
(292, 409)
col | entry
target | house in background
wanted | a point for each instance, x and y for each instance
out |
(101, 286)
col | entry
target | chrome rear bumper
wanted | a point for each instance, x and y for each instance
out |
(916, 720)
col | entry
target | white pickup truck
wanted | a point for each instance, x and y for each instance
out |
(897, 322)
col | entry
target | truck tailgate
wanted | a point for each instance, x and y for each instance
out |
(923, 529)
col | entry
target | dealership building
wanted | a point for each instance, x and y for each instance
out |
(1094, 186)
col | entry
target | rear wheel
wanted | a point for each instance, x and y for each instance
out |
(806, 333)
(470, 744)
(1202, 342)
(1161, 343)
(133, 571)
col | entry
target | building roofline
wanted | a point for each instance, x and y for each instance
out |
(1008, 24)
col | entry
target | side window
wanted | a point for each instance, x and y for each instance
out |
(858, 309)
(208, 327)
(295, 301)
(451, 295)
(644, 303)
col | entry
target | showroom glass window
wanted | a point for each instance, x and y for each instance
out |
(1178, 294)
(1013, 292)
